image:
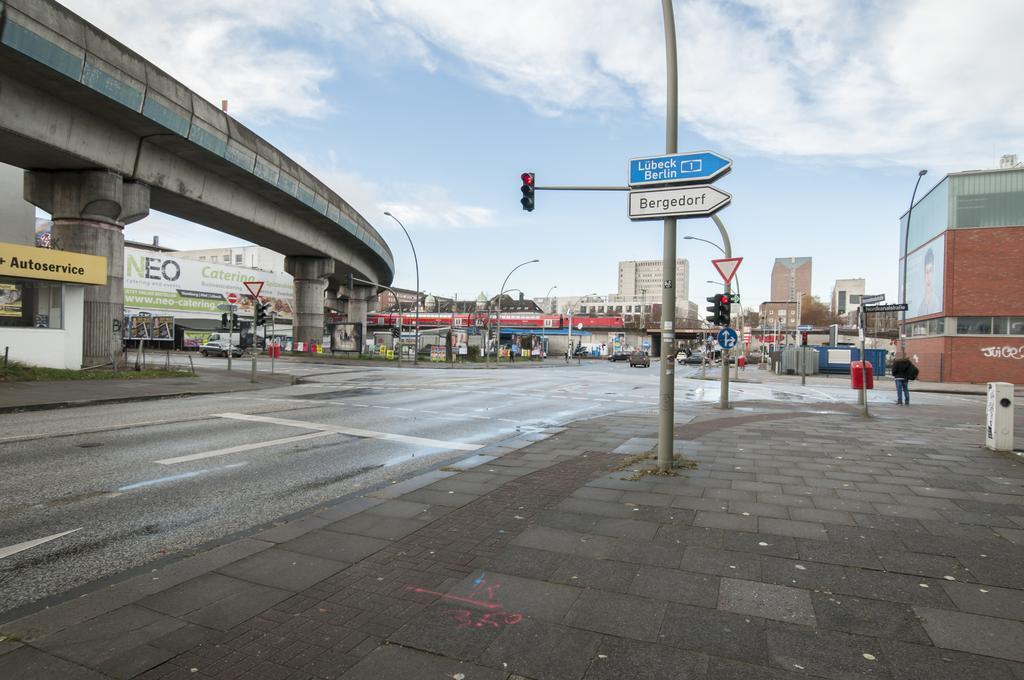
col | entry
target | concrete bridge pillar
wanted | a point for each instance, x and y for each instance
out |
(310, 274)
(89, 210)
(356, 307)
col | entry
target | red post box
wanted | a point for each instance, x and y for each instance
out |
(858, 375)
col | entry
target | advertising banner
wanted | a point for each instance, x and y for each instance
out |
(195, 339)
(346, 337)
(162, 328)
(193, 289)
(10, 299)
(925, 279)
(139, 327)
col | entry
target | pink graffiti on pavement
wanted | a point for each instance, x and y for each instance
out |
(496, 616)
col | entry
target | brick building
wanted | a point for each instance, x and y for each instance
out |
(791, 278)
(964, 271)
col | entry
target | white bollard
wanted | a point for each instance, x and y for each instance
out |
(999, 417)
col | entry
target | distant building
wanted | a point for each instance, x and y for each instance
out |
(846, 295)
(781, 314)
(641, 282)
(963, 265)
(254, 257)
(791, 278)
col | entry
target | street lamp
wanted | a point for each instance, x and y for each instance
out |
(500, 293)
(543, 327)
(416, 349)
(906, 245)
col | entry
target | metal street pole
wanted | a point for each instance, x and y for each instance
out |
(500, 293)
(231, 332)
(416, 261)
(666, 404)
(863, 365)
(543, 329)
(906, 242)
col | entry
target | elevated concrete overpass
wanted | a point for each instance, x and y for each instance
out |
(105, 135)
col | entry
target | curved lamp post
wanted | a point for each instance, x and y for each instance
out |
(500, 293)
(416, 349)
(543, 328)
(906, 244)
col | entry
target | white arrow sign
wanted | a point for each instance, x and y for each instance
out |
(694, 201)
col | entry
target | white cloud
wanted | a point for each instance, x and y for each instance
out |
(922, 81)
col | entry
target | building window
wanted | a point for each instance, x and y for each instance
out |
(238, 258)
(974, 325)
(1016, 325)
(583, 309)
(227, 258)
(854, 299)
(30, 303)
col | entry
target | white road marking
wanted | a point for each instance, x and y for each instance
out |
(19, 547)
(351, 431)
(240, 448)
(174, 478)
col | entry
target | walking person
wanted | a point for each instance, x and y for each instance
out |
(903, 371)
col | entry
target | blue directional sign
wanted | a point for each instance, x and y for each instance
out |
(678, 168)
(727, 338)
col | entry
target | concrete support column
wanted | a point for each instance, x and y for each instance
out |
(89, 210)
(310, 274)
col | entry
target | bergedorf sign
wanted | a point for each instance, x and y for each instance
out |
(692, 201)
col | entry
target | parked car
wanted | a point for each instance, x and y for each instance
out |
(217, 345)
(640, 359)
(619, 356)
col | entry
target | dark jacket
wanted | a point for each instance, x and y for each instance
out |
(902, 368)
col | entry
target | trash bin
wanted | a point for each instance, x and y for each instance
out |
(857, 375)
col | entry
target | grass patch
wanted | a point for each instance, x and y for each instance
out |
(645, 469)
(17, 372)
(449, 468)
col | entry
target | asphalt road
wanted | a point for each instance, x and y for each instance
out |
(137, 482)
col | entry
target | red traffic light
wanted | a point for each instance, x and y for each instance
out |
(527, 178)
(724, 299)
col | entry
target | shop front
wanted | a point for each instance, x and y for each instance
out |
(42, 298)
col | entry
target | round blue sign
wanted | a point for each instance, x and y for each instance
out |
(727, 338)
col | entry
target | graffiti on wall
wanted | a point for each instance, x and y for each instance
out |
(1004, 352)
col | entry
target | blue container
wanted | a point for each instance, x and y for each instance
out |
(836, 359)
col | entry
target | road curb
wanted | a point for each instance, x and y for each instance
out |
(57, 405)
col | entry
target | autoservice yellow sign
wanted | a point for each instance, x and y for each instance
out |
(28, 262)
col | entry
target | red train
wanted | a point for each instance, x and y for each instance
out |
(479, 320)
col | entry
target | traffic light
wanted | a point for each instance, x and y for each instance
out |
(803, 338)
(396, 333)
(527, 189)
(720, 309)
(260, 313)
(224, 320)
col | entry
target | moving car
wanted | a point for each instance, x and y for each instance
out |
(619, 356)
(217, 345)
(640, 359)
(695, 357)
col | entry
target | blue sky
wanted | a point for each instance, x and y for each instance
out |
(432, 110)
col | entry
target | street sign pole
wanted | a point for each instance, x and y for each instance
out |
(231, 333)
(862, 317)
(666, 402)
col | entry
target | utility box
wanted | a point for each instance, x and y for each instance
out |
(999, 417)
(861, 372)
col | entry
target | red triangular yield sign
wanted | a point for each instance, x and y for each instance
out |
(727, 267)
(254, 288)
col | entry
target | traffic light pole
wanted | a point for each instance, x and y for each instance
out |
(723, 397)
(667, 391)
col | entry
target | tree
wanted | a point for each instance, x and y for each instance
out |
(814, 312)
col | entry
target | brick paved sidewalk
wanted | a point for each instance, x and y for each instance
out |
(805, 543)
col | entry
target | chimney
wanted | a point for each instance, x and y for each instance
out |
(224, 105)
